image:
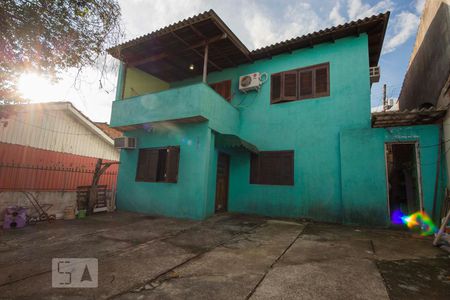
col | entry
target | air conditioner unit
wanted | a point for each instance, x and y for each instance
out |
(125, 142)
(250, 82)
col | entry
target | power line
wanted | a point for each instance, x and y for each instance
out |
(51, 130)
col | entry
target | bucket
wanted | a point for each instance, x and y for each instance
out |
(81, 214)
(69, 213)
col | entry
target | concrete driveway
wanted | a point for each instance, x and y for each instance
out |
(225, 257)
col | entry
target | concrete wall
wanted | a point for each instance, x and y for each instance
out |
(313, 128)
(184, 199)
(428, 77)
(187, 102)
(309, 127)
(58, 200)
(429, 12)
(138, 83)
(363, 169)
(429, 69)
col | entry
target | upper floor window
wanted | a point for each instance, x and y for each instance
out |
(158, 164)
(304, 83)
(223, 88)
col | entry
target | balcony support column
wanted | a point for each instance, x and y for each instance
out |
(205, 63)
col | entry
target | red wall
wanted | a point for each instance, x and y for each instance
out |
(27, 168)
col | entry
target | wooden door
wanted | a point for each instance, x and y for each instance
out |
(223, 171)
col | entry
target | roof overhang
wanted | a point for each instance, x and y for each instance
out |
(375, 27)
(169, 52)
(234, 142)
(408, 117)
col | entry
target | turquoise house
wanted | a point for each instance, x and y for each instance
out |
(283, 131)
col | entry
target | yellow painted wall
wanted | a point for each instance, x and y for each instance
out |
(138, 83)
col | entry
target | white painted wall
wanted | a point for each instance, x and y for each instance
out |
(56, 130)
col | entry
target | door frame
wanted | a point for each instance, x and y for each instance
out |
(418, 167)
(227, 182)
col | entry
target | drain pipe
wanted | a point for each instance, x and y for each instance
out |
(438, 170)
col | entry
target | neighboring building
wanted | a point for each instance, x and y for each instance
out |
(430, 60)
(50, 149)
(427, 81)
(302, 145)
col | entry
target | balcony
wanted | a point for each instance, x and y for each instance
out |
(192, 103)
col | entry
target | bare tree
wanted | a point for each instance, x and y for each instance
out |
(51, 36)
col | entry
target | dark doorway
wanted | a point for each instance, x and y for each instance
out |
(223, 171)
(403, 171)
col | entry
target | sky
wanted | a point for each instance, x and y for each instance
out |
(256, 24)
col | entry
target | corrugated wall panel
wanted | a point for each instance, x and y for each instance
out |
(27, 168)
(54, 130)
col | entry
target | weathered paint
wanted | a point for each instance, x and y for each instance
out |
(309, 127)
(364, 187)
(138, 83)
(184, 199)
(196, 100)
(54, 127)
(24, 168)
(312, 128)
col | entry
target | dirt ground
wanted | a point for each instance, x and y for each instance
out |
(225, 257)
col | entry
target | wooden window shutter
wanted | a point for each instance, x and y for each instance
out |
(173, 158)
(227, 90)
(321, 81)
(254, 168)
(272, 168)
(290, 86)
(142, 163)
(268, 168)
(287, 168)
(147, 165)
(306, 84)
(223, 88)
(275, 88)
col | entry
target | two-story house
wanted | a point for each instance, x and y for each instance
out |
(294, 139)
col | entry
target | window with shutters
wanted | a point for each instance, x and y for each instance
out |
(272, 168)
(223, 88)
(299, 84)
(158, 164)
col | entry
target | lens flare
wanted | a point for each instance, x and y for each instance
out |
(417, 221)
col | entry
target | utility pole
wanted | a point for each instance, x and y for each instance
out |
(384, 98)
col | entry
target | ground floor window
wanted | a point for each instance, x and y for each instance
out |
(272, 168)
(158, 164)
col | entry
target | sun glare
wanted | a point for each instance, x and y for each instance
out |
(34, 87)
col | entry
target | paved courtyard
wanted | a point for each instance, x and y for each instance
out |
(225, 257)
